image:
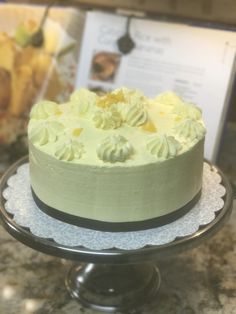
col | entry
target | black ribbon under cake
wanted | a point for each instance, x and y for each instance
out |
(115, 226)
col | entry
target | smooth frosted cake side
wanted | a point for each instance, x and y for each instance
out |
(120, 159)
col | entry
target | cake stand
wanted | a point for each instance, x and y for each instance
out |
(113, 280)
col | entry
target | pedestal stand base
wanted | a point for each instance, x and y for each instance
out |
(111, 288)
(115, 285)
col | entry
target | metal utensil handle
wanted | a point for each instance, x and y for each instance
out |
(127, 28)
(45, 14)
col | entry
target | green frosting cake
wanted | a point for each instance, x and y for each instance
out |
(116, 162)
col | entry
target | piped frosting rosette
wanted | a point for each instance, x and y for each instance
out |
(190, 130)
(114, 148)
(163, 146)
(45, 131)
(69, 150)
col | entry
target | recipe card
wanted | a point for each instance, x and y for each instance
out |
(195, 62)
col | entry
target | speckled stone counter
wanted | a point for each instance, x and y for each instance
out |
(198, 281)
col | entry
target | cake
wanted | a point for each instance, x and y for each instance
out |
(116, 162)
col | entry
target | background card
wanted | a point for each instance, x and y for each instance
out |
(195, 62)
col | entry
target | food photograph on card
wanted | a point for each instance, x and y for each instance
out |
(104, 66)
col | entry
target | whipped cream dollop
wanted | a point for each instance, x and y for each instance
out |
(107, 119)
(114, 148)
(190, 129)
(169, 98)
(188, 111)
(82, 101)
(133, 97)
(69, 150)
(135, 115)
(45, 131)
(44, 109)
(163, 146)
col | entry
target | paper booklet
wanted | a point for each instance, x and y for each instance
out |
(195, 62)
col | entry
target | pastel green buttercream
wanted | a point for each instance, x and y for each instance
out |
(122, 114)
(169, 98)
(69, 150)
(117, 194)
(96, 165)
(190, 129)
(82, 101)
(44, 109)
(132, 97)
(163, 147)
(107, 119)
(188, 111)
(135, 115)
(45, 132)
(114, 148)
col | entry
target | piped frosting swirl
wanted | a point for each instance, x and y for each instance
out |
(114, 148)
(133, 97)
(44, 109)
(188, 111)
(45, 131)
(107, 119)
(82, 101)
(135, 115)
(69, 150)
(163, 146)
(169, 98)
(190, 129)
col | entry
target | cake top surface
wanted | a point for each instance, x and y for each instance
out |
(123, 127)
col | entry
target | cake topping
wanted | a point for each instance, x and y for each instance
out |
(149, 127)
(114, 126)
(135, 115)
(190, 129)
(134, 97)
(45, 131)
(82, 101)
(76, 132)
(188, 111)
(169, 98)
(69, 150)
(111, 98)
(44, 109)
(163, 146)
(107, 119)
(114, 148)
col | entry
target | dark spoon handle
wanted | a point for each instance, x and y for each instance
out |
(45, 14)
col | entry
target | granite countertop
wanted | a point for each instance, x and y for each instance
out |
(201, 280)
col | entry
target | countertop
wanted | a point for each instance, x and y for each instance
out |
(198, 281)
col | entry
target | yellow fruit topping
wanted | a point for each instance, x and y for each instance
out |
(77, 131)
(162, 113)
(177, 119)
(110, 99)
(58, 113)
(149, 127)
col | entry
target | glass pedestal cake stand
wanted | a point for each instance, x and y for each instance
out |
(113, 279)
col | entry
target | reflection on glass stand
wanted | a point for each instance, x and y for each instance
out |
(109, 288)
(113, 280)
